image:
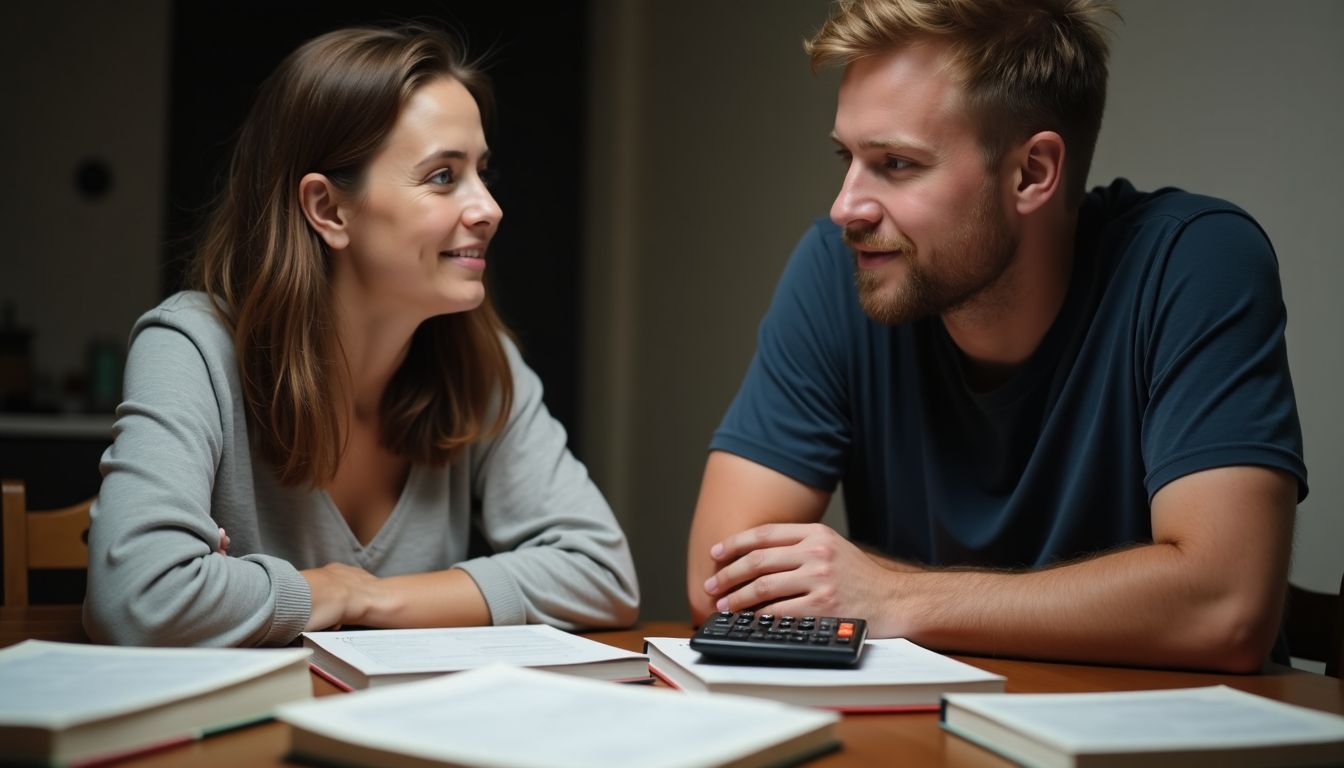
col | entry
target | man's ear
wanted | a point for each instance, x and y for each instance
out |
(1040, 171)
(321, 203)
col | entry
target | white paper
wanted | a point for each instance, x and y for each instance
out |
(889, 661)
(406, 651)
(521, 717)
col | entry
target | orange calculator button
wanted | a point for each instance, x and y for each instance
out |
(845, 630)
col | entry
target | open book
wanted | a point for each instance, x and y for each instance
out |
(1185, 726)
(507, 716)
(62, 703)
(893, 674)
(374, 657)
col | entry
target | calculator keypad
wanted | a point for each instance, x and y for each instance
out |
(764, 637)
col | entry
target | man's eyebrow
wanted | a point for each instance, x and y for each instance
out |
(890, 145)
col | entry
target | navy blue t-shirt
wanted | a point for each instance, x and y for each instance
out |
(1167, 358)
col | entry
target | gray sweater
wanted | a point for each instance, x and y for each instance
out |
(181, 466)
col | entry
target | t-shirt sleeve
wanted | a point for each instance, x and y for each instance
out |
(1216, 363)
(791, 413)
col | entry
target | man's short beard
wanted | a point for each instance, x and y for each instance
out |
(977, 257)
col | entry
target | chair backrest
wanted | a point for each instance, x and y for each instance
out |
(1314, 623)
(40, 539)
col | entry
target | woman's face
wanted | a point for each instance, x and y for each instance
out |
(419, 228)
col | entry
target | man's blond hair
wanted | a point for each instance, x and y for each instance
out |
(1026, 65)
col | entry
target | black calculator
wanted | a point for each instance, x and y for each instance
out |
(748, 636)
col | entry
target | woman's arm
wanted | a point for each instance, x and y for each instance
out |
(344, 594)
(560, 556)
(155, 577)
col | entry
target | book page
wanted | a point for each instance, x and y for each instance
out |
(888, 661)
(476, 718)
(1172, 719)
(401, 651)
(59, 683)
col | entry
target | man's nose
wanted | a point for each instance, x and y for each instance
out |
(854, 206)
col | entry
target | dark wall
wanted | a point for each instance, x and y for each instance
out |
(221, 53)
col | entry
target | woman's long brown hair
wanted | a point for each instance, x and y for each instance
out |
(328, 108)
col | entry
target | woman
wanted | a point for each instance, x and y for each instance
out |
(339, 395)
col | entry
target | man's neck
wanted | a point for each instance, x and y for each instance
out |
(1001, 328)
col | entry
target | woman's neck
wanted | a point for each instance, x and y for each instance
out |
(373, 348)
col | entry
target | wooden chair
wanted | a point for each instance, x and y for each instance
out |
(36, 539)
(1314, 624)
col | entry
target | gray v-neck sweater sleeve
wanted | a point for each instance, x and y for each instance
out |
(181, 466)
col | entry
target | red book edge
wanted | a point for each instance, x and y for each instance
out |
(340, 684)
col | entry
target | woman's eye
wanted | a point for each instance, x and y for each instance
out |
(489, 176)
(442, 178)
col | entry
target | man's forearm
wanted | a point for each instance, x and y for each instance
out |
(1137, 606)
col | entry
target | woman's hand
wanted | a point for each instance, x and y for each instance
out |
(342, 594)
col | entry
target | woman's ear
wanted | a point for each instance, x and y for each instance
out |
(1040, 170)
(320, 201)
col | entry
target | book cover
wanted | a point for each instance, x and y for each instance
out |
(375, 657)
(64, 703)
(1215, 725)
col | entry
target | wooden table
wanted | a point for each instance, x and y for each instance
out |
(869, 739)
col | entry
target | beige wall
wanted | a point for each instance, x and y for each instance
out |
(710, 158)
(81, 79)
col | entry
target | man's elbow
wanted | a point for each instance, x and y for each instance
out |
(1240, 640)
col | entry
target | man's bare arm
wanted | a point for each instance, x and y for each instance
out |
(737, 494)
(1206, 593)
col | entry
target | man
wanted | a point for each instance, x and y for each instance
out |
(1063, 421)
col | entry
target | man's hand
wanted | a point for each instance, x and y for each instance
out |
(736, 496)
(803, 570)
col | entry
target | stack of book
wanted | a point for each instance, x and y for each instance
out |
(63, 703)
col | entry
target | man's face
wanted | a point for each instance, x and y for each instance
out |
(923, 215)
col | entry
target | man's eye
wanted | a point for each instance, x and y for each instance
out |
(897, 163)
(442, 178)
(844, 155)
